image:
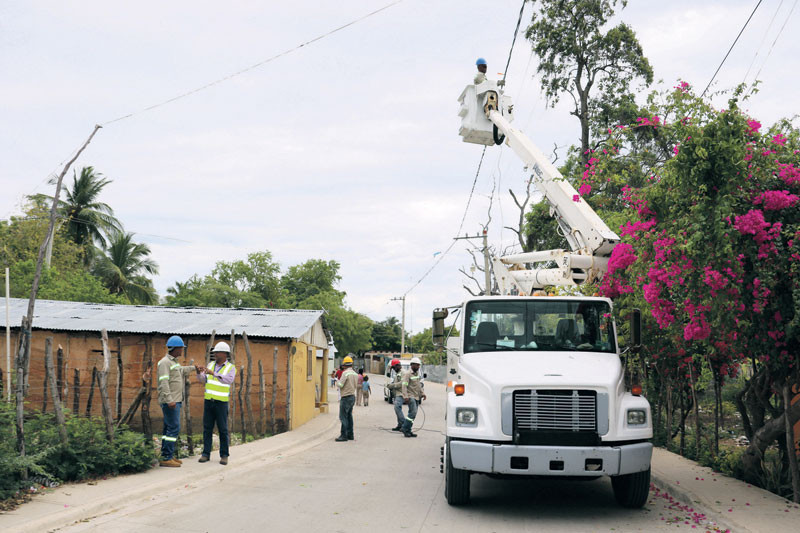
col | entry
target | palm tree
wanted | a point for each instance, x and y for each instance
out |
(123, 267)
(88, 221)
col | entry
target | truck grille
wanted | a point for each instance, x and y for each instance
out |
(555, 410)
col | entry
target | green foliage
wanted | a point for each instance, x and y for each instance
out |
(72, 285)
(87, 454)
(123, 267)
(311, 278)
(387, 335)
(258, 275)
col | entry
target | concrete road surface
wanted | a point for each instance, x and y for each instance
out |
(382, 481)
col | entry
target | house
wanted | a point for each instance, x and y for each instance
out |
(288, 349)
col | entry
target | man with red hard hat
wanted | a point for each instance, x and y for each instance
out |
(395, 386)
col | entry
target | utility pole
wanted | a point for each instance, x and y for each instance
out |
(8, 341)
(403, 325)
(487, 274)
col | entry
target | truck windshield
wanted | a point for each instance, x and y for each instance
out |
(546, 324)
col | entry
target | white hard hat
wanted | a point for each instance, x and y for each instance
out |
(416, 360)
(222, 347)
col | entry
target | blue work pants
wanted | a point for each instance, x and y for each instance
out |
(346, 415)
(172, 427)
(412, 413)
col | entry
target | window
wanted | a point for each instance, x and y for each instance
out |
(545, 324)
(310, 364)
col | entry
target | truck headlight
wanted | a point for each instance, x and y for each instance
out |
(466, 416)
(637, 417)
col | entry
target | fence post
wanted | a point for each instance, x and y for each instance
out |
(233, 384)
(60, 372)
(103, 384)
(76, 392)
(247, 385)
(209, 346)
(147, 363)
(119, 379)
(187, 409)
(241, 407)
(91, 393)
(262, 400)
(274, 388)
(289, 356)
(51, 378)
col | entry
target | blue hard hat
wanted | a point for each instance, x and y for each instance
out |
(175, 342)
(480, 61)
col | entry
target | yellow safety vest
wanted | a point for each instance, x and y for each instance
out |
(215, 389)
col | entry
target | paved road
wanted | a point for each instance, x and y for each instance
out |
(381, 481)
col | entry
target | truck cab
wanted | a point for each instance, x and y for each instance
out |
(539, 390)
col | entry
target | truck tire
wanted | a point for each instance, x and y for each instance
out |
(631, 490)
(456, 482)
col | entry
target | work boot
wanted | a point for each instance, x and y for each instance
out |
(179, 461)
(399, 427)
(340, 438)
(170, 462)
(223, 460)
(409, 434)
(351, 437)
(203, 459)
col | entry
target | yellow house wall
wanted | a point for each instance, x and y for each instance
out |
(304, 390)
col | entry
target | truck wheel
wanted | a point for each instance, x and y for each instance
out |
(631, 490)
(456, 482)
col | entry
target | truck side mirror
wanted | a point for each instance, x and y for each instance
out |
(437, 329)
(636, 329)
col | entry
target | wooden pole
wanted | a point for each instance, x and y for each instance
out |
(119, 380)
(103, 383)
(132, 409)
(233, 385)
(274, 388)
(209, 346)
(51, 376)
(247, 385)
(60, 372)
(76, 392)
(147, 363)
(91, 393)
(44, 392)
(24, 340)
(241, 407)
(262, 400)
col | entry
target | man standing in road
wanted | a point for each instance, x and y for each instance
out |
(171, 378)
(347, 387)
(411, 393)
(395, 386)
(218, 376)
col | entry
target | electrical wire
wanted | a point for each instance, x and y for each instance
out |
(514, 40)
(775, 41)
(731, 48)
(253, 66)
(763, 40)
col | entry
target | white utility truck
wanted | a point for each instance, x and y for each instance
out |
(539, 382)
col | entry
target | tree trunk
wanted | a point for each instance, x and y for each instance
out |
(247, 385)
(51, 378)
(717, 393)
(791, 447)
(103, 385)
(697, 436)
(682, 425)
(762, 438)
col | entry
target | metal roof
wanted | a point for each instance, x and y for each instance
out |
(82, 316)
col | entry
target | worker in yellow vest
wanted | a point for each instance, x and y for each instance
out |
(217, 376)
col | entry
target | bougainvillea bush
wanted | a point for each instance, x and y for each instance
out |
(711, 248)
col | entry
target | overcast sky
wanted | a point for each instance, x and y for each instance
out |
(346, 149)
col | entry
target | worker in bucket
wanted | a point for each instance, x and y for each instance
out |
(171, 378)
(217, 376)
(411, 394)
(480, 77)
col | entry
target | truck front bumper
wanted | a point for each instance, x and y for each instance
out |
(491, 458)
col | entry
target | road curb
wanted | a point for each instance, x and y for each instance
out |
(692, 499)
(114, 501)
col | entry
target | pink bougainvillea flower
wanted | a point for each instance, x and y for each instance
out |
(576, 198)
(753, 126)
(776, 200)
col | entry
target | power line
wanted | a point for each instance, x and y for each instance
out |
(254, 65)
(514, 40)
(769, 52)
(731, 48)
(763, 40)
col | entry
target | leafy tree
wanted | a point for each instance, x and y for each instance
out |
(711, 249)
(313, 277)
(124, 267)
(386, 335)
(596, 67)
(88, 221)
(210, 292)
(259, 274)
(70, 285)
